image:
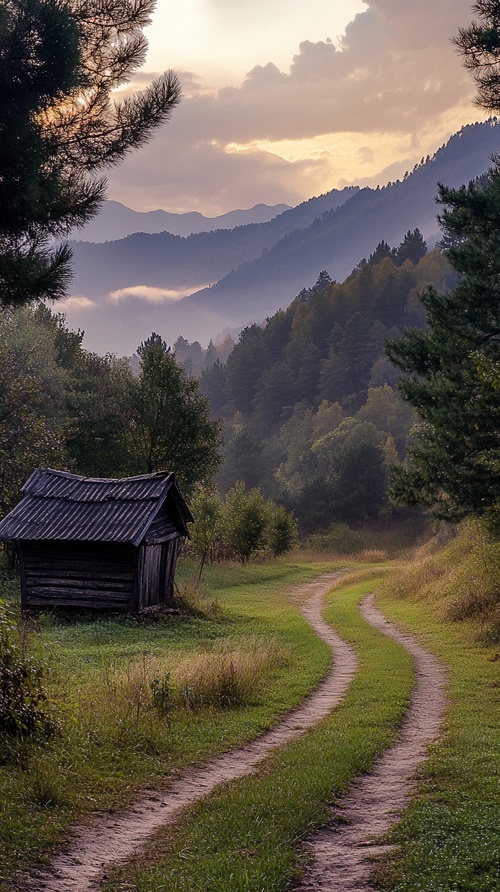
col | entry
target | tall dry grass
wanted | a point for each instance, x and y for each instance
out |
(461, 578)
(141, 699)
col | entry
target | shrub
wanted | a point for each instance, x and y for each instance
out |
(25, 710)
(281, 530)
(245, 521)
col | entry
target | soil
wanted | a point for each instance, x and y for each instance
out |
(338, 855)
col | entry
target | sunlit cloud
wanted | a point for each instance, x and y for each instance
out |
(77, 302)
(390, 89)
(151, 294)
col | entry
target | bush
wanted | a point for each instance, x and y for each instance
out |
(281, 530)
(239, 528)
(25, 710)
(245, 521)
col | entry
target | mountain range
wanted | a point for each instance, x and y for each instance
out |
(208, 282)
(116, 221)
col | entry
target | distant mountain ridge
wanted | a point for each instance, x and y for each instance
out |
(116, 221)
(254, 269)
(163, 260)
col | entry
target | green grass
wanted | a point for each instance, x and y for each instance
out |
(450, 836)
(103, 755)
(245, 837)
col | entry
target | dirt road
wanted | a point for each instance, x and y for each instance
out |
(339, 855)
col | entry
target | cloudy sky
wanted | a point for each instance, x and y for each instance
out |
(285, 99)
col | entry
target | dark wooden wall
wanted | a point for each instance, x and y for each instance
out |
(77, 574)
(156, 573)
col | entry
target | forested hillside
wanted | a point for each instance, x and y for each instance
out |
(309, 398)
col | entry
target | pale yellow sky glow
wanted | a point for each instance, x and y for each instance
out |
(285, 99)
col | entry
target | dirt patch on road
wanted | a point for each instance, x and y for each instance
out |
(342, 855)
(116, 838)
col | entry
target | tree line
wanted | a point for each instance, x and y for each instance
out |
(66, 407)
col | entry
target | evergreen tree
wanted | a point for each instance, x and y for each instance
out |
(169, 422)
(480, 47)
(59, 126)
(412, 248)
(382, 250)
(454, 461)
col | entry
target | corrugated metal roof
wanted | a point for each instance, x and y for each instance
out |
(58, 505)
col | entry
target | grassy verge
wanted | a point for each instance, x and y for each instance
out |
(450, 836)
(245, 837)
(128, 715)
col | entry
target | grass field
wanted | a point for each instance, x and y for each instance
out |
(131, 709)
(245, 837)
(450, 837)
(116, 735)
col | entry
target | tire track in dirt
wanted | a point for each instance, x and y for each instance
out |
(343, 854)
(117, 837)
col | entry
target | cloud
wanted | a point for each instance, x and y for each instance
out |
(394, 74)
(77, 302)
(149, 293)
(365, 154)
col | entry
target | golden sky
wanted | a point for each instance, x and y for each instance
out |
(286, 99)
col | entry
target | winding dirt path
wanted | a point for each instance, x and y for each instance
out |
(116, 837)
(342, 855)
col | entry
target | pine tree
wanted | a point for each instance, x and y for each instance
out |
(60, 127)
(169, 420)
(454, 460)
(412, 248)
(480, 47)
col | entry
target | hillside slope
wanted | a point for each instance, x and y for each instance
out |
(253, 270)
(339, 239)
(173, 262)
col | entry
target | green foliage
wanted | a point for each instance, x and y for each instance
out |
(293, 381)
(412, 248)
(454, 458)
(207, 531)
(245, 521)
(480, 47)
(281, 530)
(169, 421)
(65, 407)
(241, 526)
(32, 400)
(25, 709)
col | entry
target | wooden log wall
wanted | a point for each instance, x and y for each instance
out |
(77, 574)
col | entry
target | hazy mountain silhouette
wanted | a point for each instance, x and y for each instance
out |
(116, 220)
(174, 262)
(259, 267)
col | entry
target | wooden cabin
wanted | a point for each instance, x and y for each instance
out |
(97, 543)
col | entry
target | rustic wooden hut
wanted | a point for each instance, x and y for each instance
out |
(97, 543)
